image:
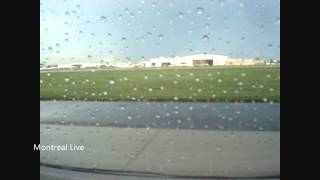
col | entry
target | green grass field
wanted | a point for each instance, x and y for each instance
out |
(183, 84)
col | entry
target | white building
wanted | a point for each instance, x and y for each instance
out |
(122, 65)
(204, 60)
(80, 65)
(157, 62)
(187, 61)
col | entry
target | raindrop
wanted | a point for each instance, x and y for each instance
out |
(205, 38)
(221, 2)
(154, 4)
(261, 27)
(180, 15)
(127, 11)
(161, 36)
(218, 148)
(200, 10)
(207, 26)
(278, 20)
(103, 19)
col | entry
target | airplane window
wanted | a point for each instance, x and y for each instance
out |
(160, 88)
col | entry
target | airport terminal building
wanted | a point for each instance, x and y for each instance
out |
(187, 61)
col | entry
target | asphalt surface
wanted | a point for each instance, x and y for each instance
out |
(181, 115)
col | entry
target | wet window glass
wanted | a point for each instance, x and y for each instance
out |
(160, 88)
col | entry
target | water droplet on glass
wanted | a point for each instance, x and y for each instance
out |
(200, 10)
(261, 27)
(221, 2)
(205, 38)
(218, 148)
(103, 19)
(161, 36)
(154, 4)
(180, 14)
(278, 20)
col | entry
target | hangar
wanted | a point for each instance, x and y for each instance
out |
(187, 61)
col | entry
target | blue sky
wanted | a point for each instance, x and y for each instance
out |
(133, 30)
